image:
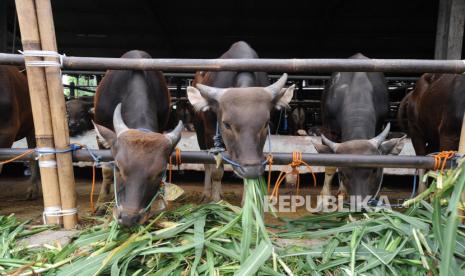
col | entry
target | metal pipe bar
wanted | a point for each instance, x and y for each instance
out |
(279, 158)
(290, 77)
(265, 65)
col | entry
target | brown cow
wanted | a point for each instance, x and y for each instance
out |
(131, 112)
(432, 113)
(16, 116)
(241, 103)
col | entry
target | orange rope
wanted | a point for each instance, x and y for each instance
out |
(92, 190)
(441, 158)
(269, 158)
(178, 163)
(295, 164)
(17, 157)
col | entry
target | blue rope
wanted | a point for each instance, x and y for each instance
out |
(144, 129)
(160, 192)
(219, 147)
(71, 148)
(375, 202)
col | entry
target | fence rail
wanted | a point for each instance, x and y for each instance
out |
(266, 65)
(279, 158)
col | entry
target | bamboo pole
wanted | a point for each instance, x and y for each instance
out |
(40, 106)
(462, 151)
(58, 112)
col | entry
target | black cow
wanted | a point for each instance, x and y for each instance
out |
(80, 114)
(131, 112)
(16, 117)
(354, 108)
(241, 103)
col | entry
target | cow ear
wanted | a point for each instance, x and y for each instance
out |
(284, 98)
(104, 135)
(197, 101)
(322, 148)
(393, 146)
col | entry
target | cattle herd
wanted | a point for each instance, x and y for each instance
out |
(237, 111)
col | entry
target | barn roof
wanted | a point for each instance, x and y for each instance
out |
(281, 29)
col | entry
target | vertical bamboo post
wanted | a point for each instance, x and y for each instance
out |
(40, 106)
(58, 112)
(462, 151)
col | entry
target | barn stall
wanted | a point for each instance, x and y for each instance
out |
(299, 248)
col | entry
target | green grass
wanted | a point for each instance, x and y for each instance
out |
(428, 238)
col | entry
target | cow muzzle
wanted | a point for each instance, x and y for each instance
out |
(130, 218)
(254, 171)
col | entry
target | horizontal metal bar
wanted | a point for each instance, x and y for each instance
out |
(265, 65)
(290, 77)
(279, 158)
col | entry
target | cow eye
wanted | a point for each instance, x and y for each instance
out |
(226, 125)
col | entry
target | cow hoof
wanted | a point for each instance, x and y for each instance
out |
(32, 194)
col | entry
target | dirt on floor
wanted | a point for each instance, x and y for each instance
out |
(13, 191)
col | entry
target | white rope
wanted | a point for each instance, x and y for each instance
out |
(47, 164)
(55, 211)
(42, 63)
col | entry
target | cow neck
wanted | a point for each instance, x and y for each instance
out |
(140, 110)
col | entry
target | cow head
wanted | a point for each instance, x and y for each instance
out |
(79, 116)
(362, 181)
(243, 115)
(141, 158)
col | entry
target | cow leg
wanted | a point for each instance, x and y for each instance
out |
(33, 190)
(207, 188)
(105, 190)
(421, 183)
(217, 175)
(329, 175)
(419, 144)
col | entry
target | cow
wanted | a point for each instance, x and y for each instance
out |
(432, 113)
(16, 118)
(131, 112)
(354, 107)
(297, 121)
(79, 113)
(238, 104)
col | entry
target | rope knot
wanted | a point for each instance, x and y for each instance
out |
(440, 159)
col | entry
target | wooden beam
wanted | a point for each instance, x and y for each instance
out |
(449, 31)
(40, 106)
(58, 113)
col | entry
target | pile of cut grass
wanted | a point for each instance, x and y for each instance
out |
(221, 239)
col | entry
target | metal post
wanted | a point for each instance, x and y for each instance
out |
(72, 92)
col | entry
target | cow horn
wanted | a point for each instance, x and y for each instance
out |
(175, 135)
(210, 92)
(332, 145)
(118, 123)
(276, 87)
(381, 137)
